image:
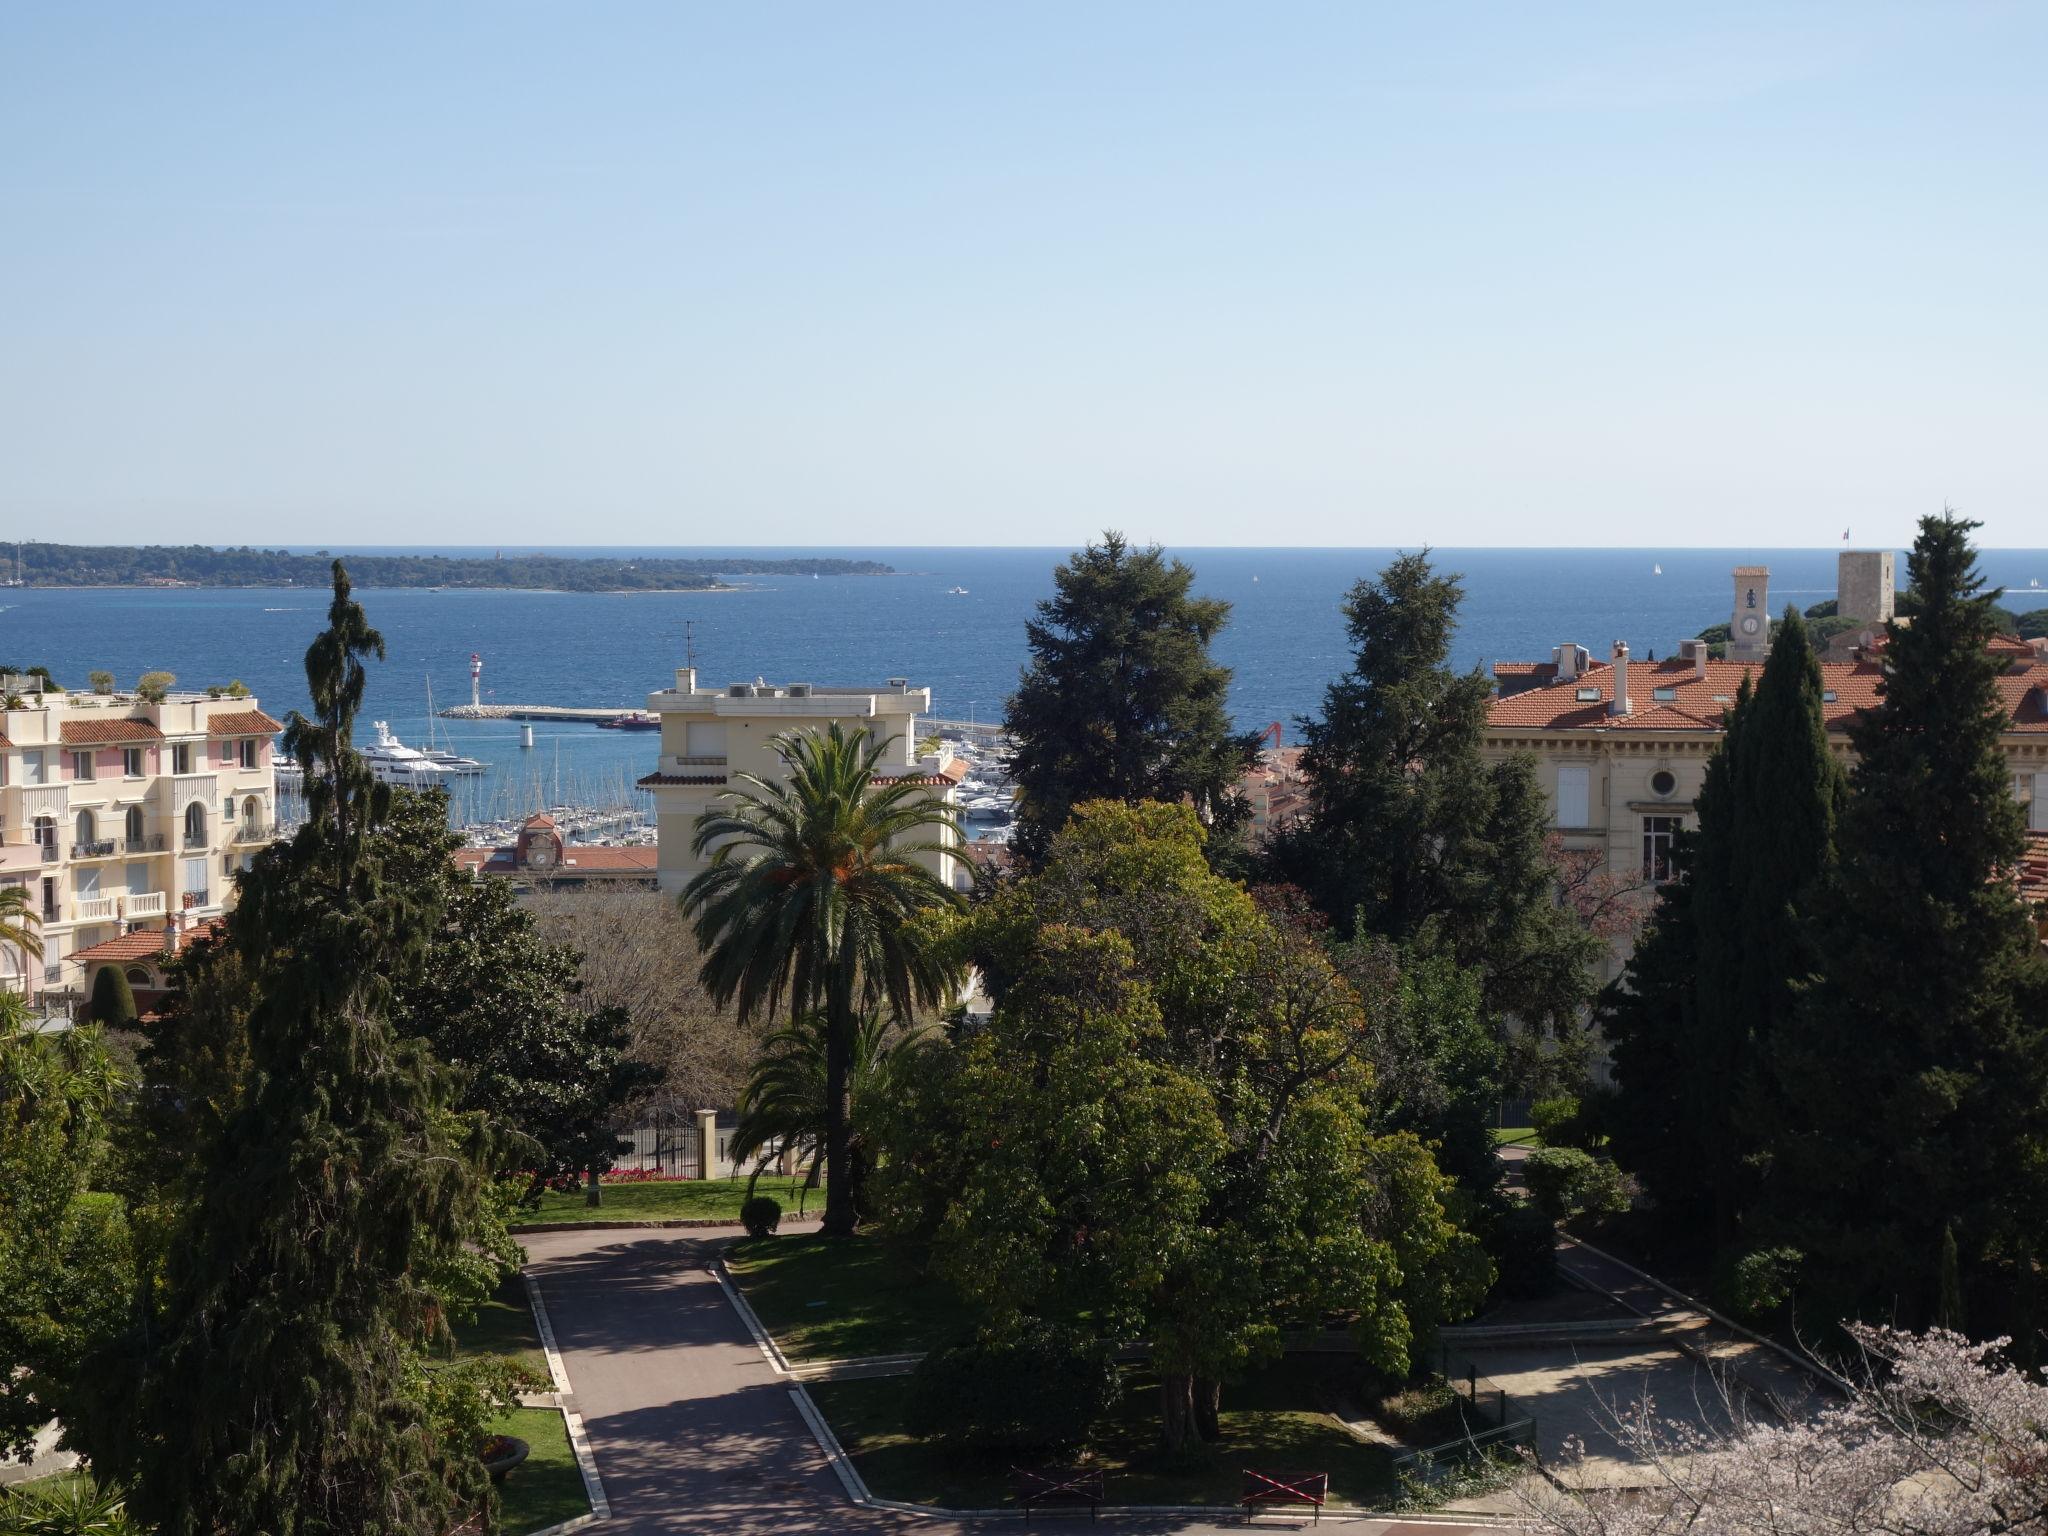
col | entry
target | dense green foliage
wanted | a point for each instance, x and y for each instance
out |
(1566, 1182)
(1039, 1388)
(113, 1000)
(1911, 1087)
(813, 898)
(760, 1215)
(64, 1253)
(337, 1185)
(784, 1103)
(1413, 836)
(1120, 700)
(1719, 973)
(100, 565)
(2032, 625)
(1163, 1131)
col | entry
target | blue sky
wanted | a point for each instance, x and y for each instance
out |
(1214, 274)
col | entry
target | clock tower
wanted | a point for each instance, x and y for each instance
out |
(1749, 632)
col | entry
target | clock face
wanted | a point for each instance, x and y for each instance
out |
(1749, 624)
(541, 855)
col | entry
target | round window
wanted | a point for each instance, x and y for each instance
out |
(1662, 781)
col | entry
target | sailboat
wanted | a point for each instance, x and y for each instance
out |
(1656, 570)
(445, 757)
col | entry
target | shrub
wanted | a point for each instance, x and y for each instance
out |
(1041, 1389)
(1555, 1120)
(761, 1215)
(1523, 1242)
(1426, 1412)
(154, 687)
(113, 1000)
(1759, 1282)
(102, 682)
(1566, 1182)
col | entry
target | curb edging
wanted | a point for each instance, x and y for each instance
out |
(572, 1421)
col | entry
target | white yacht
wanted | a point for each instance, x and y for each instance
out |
(392, 761)
(453, 762)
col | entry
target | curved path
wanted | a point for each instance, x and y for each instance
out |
(692, 1430)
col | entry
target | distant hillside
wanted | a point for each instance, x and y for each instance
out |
(197, 565)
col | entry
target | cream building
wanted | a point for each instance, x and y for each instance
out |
(1621, 744)
(710, 734)
(116, 813)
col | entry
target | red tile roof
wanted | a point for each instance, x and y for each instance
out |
(538, 821)
(659, 780)
(1669, 696)
(243, 722)
(142, 943)
(2033, 873)
(99, 733)
(577, 861)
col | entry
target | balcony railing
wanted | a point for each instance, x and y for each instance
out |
(94, 909)
(190, 899)
(98, 848)
(149, 842)
(50, 852)
(195, 841)
(256, 832)
(150, 904)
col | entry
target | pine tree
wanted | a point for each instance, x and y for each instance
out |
(1413, 836)
(279, 1391)
(1910, 1090)
(1121, 700)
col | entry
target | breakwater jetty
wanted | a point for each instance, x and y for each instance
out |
(536, 712)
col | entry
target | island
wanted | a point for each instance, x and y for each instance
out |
(200, 565)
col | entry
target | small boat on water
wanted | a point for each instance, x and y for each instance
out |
(956, 591)
(631, 720)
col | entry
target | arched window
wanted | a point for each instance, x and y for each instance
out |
(87, 827)
(132, 828)
(195, 825)
(138, 976)
(46, 832)
(252, 816)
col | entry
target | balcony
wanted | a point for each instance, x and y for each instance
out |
(95, 909)
(99, 848)
(255, 832)
(188, 900)
(149, 842)
(150, 904)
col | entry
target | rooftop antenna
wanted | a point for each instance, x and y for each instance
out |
(689, 642)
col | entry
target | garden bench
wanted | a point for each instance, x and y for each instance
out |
(1058, 1486)
(1262, 1489)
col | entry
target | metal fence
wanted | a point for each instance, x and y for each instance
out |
(1495, 1420)
(665, 1141)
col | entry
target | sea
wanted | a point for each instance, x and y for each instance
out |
(1285, 640)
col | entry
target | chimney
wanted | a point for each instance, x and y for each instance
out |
(1569, 659)
(1694, 654)
(173, 923)
(1619, 704)
(686, 680)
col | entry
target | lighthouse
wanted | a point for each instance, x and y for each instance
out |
(476, 680)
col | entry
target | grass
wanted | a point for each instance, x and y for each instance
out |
(504, 1326)
(842, 1298)
(546, 1488)
(668, 1200)
(1269, 1421)
(1515, 1136)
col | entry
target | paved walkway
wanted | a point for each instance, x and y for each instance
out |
(693, 1431)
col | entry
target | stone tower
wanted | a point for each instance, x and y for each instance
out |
(1749, 632)
(1864, 588)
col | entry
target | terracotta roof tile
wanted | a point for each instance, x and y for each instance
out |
(242, 722)
(660, 780)
(1668, 696)
(143, 943)
(92, 733)
(577, 860)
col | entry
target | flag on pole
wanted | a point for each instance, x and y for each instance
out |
(1845, 535)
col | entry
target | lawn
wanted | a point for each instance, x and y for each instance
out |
(504, 1326)
(668, 1200)
(1270, 1421)
(842, 1298)
(546, 1488)
(1515, 1136)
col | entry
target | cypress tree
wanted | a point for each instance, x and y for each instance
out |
(279, 1388)
(1909, 1092)
(113, 1000)
(1121, 700)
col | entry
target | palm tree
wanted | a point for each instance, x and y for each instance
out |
(18, 923)
(810, 901)
(783, 1105)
